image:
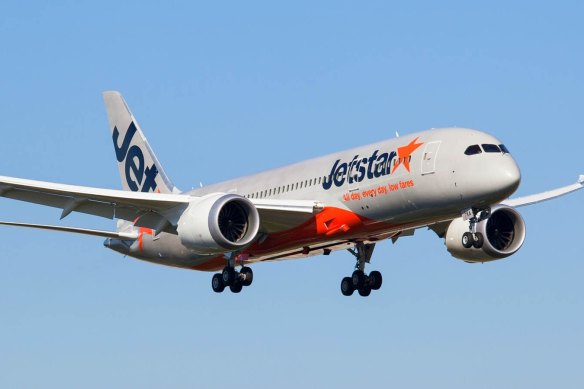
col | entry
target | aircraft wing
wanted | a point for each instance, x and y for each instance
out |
(544, 196)
(147, 209)
(151, 210)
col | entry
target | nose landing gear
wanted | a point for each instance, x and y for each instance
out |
(359, 281)
(475, 240)
(472, 238)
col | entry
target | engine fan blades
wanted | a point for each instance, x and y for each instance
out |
(500, 230)
(233, 221)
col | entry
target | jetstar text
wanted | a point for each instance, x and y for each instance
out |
(358, 169)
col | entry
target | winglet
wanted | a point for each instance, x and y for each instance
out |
(581, 179)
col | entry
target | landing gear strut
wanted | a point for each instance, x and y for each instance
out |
(359, 281)
(232, 278)
(472, 238)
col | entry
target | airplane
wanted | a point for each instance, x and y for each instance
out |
(454, 181)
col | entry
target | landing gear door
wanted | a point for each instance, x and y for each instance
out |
(429, 157)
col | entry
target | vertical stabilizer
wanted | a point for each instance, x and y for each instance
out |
(139, 168)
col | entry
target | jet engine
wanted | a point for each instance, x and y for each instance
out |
(503, 233)
(218, 223)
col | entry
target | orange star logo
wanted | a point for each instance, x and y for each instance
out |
(404, 154)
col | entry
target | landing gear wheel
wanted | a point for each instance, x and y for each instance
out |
(365, 291)
(375, 280)
(478, 241)
(467, 240)
(246, 276)
(236, 287)
(228, 275)
(347, 288)
(217, 283)
(358, 279)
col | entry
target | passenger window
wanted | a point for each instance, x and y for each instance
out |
(472, 150)
(491, 148)
(504, 149)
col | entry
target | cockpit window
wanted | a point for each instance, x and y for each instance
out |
(472, 150)
(504, 149)
(491, 148)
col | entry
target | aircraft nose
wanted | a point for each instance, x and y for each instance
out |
(508, 177)
(492, 179)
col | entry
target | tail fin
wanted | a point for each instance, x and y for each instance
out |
(139, 167)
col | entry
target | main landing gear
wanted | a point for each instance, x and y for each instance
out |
(472, 238)
(359, 281)
(232, 278)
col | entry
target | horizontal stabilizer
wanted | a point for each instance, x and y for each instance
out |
(85, 231)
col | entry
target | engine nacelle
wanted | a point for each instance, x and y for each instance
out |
(218, 223)
(503, 231)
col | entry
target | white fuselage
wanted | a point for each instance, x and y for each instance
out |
(369, 193)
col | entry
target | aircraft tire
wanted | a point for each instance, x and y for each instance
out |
(479, 240)
(248, 275)
(217, 283)
(347, 288)
(365, 291)
(228, 275)
(375, 280)
(358, 279)
(467, 240)
(236, 287)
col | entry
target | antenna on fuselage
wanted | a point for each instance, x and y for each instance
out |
(397, 134)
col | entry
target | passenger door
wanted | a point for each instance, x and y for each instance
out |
(429, 157)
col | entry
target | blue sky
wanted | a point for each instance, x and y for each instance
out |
(231, 88)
